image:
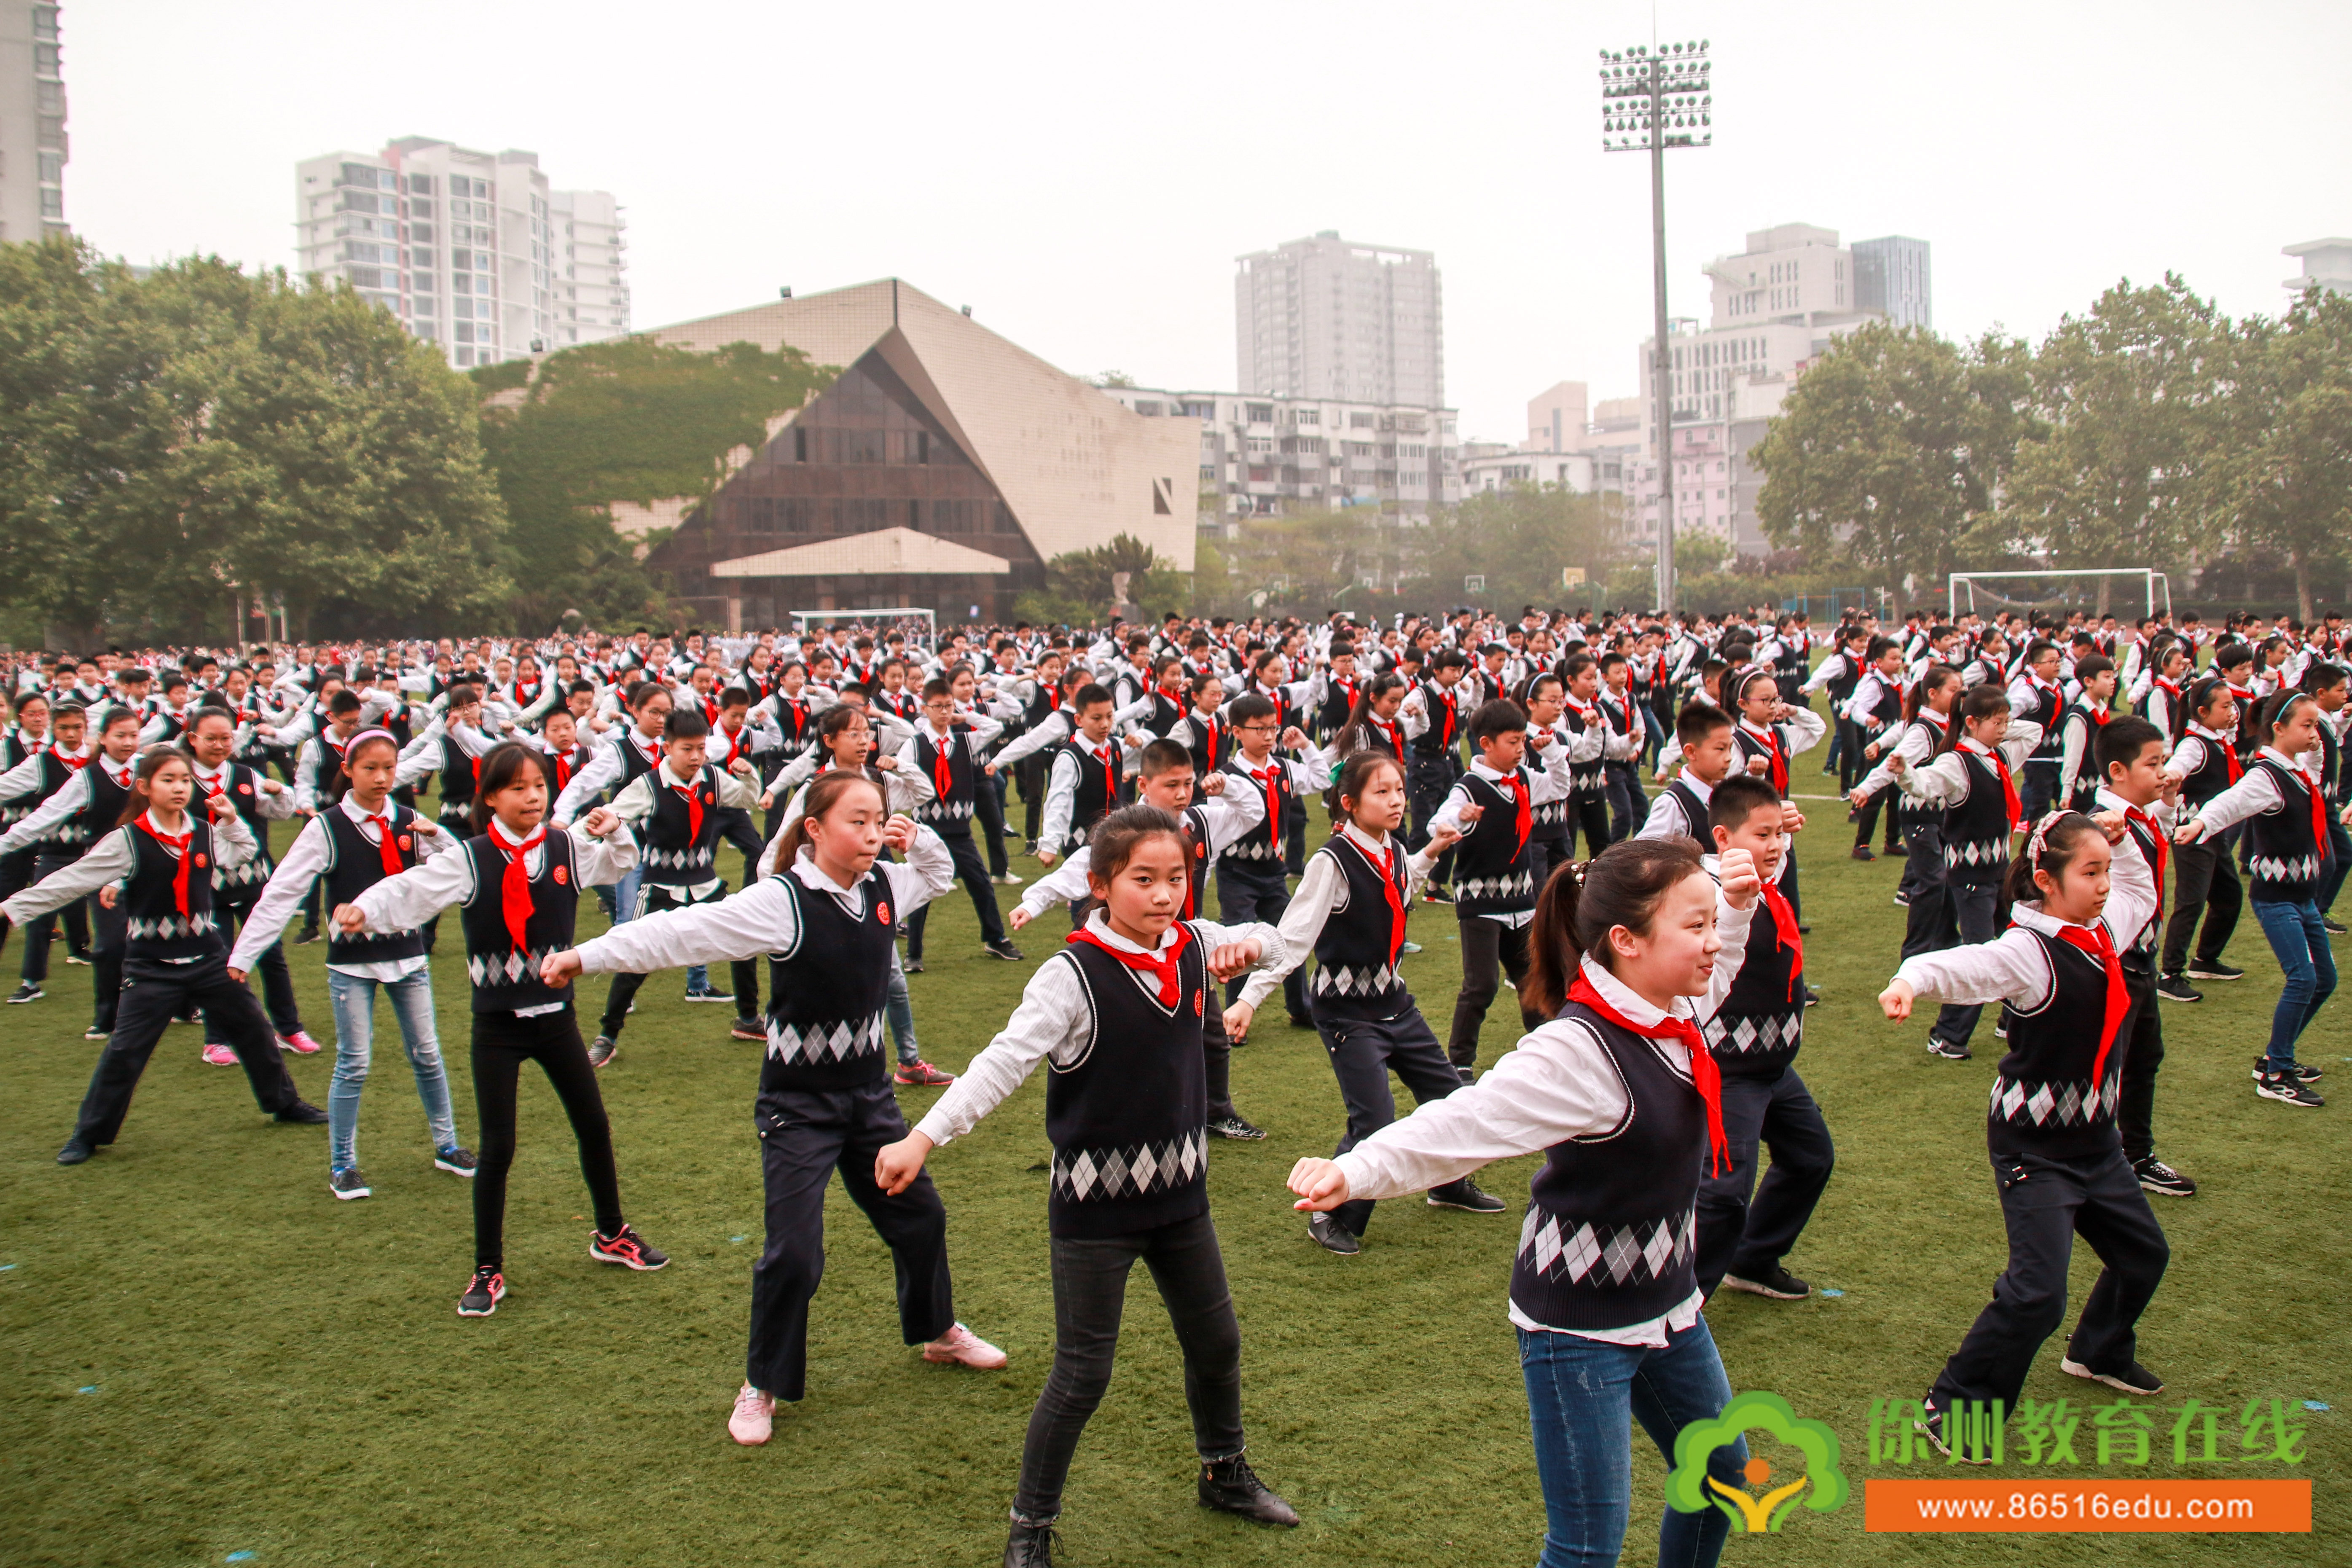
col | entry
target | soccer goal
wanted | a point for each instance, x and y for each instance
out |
(2126, 592)
(912, 620)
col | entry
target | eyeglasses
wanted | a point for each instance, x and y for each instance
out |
(1261, 729)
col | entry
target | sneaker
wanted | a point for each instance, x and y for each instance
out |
(1237, 1127)
(960, 1347)
(455, 1161)
(1775, 1282)
(1933, 1427)
(299, 1043)
(625, 1247)
(2331, 925)
(1939, 1047)
(1863, 852)
(1230, 1486)
(80, 957)
(910, 966)
(754, 1417)
(1030, 1546)
(1437, 895)
(920, 1074)
(2133, 1379)
(1327, 1233)
(1468, 1196)
(1410, 947)
(1006, 879)
(187, 1019)
(2302, 1072)
(601, 1049)
(1002, 948)
(1468, 1075)
(347, 1182)
(710, 993)
(744, 1028)
(1902, 900)
(2215, 969)
(27, 991)
(303, 1114)
(2286, 1088)
(2000, 1031)
(2156, 1176)
(77, 1150)
(94, 1033)
(304, 938)
(2175, 988)
(483, 1296)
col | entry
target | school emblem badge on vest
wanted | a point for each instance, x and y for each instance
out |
(244, 789)
(882, 912)
(201, 861)
(404, 842)
(563, 875)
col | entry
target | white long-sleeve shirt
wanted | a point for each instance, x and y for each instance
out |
(1915, 746)
(75, 795)
(1550, 783)
(25, 776)
(113, 858)
(1945, 782)
(1558, 1083)
(1322, 893)
(1054, 1021)
(602, 774)
(762, 917)
(902, 791)
(636, 802)
(306, 859)
(2254, 794)
(2013, 967)
(1229, 816)
(1666, 820)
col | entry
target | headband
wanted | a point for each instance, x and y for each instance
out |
(353, 742)
(2040, 841)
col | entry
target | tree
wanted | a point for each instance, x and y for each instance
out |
(1079, 585)
(2285, 469)
(1519, 538)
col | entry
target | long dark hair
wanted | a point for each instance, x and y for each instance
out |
(822, 792)
(1357, 734)
(1355, 776)
(1981, 701)
(1619, 887)
(2051, 849)
(499, 766)
(151, 762)
(1930, 680)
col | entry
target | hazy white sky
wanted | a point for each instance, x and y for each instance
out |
(1083, 175)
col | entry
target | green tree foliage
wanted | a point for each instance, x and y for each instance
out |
(625, 420)
(1078, 585)
(2285, 461)
(1518, 539)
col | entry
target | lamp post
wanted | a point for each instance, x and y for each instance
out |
(1655, 97)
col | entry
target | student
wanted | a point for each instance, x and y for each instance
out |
(2079, 723)
(2286, 808)
(1119, 1013)
(209, 734)
(2051, 1126)
(354, 842)
(1770, 736)
(28, 786)
(1628, 722)
(1704, 732)
(2130, 751)
(21, 745)
(1591, 746)
(2327, 685)
(1620, 1093)
(946, 749)
(1225, 812)
(2204, 765)
(1433, 712)
(517, 887)
(90, 796)
(152, 859)
(1350, 912)
(1251, 885)
(1875, 711)
(1084, 775)
(828, 922)
(1973, 783)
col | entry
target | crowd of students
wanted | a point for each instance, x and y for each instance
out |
(2039, 778)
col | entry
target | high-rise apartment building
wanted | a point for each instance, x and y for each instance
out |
(472, 250)
(1890, 276)
(32, 122)
(1322, 318)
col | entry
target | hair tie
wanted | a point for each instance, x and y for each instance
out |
(2040, 841)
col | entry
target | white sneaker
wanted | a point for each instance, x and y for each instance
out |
(961, 1346)
(1010, 879)
(754, 1417)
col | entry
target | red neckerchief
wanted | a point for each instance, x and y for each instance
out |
(1395, 735)
(2163, 851)
(799, 707)
(1109, 760)
(563, 771)
(1784, 925)
(1445, 736)
(525, 695)
(2098, 715)
(178, 845)
(1347, 687)
(74, 764)
(1213, 759)
(390, 846)
(1269, 779)
(2318, 806)
(514, 888)
(1771, 739)
(1706, 1077)
(213, 788)
(1162, 968)
(1386, 866)
(2008, 785)
(942, 776)
(1525, 820)
(2095, 941)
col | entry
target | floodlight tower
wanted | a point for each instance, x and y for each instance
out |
(1653, 97)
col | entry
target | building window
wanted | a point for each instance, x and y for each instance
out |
(1260, 413)
(53, 202)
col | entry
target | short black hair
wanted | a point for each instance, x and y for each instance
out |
(684, 722)
(1501, 716)
(1162, 757)
(1089, 694)
(1449, 658)
(1248, 705)
(1738, 798)
(1697, 720)
(2121, 740)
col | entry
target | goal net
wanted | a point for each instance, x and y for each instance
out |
(2127, 593)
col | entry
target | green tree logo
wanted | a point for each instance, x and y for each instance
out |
(1689, 1488)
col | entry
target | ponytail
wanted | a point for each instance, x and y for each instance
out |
(1583, 903)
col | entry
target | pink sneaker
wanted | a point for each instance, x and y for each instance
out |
(220, 1056)
(299, 1043)
(754, 1417)
(963, 1347)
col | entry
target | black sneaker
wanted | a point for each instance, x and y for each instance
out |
(77, 1150)
(1329, 1234)
(2331, 925)
(1236, 1126)
(2284, 1089)
(2156, 1176)
(625, 1247)
(1813, 997)
(710, 993)
(1468, 1196)
(484, 1294)
(1230, 1486)
(1933, 1427)
(2133, 1379)
(303, 1114)
(94, 1033)
(1902, 900)
(1863, 852)
(1002, 948)
(27, 991)
(304, 938)
(455, 1161)
(601, 1049)
(744, 1028)
(2215, 969)
(1950, 1051)
(1468, 1075)
(1032, 1546)
(2176, 988)
(910, 966)
(1775, 1282)
(2302, 1072)
(347, 1182)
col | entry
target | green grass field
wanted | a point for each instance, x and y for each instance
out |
(206, 1357)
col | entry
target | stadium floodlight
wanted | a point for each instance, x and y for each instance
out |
(1653, 97)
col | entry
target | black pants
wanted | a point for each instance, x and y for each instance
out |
(1217, 1064)
(2204, 882)
(502, 1043)
(16, 875)
(652, 898)
(1363, 1053)
(1294, 837)
(737, 829)
(1255, 890)
(2142, 1038)
(76, 916)
(1850, 764)
(1428, 781)
(1627, 804)
(1090, 1298)
(1867, 822)
(152, 996)
(2046, 1202)
(988, 812)
(1545, 856)
(1589, 815)
(1976, 913)
(108, 931)
(1747, 1236)
(804, 1136)
(1486, 945)
(1030, 772)
(974, 878)
(277, 984)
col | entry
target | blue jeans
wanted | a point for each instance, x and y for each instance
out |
(412, 1004)
(1579, 1395)
(899, 1009)
(2300, 942)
